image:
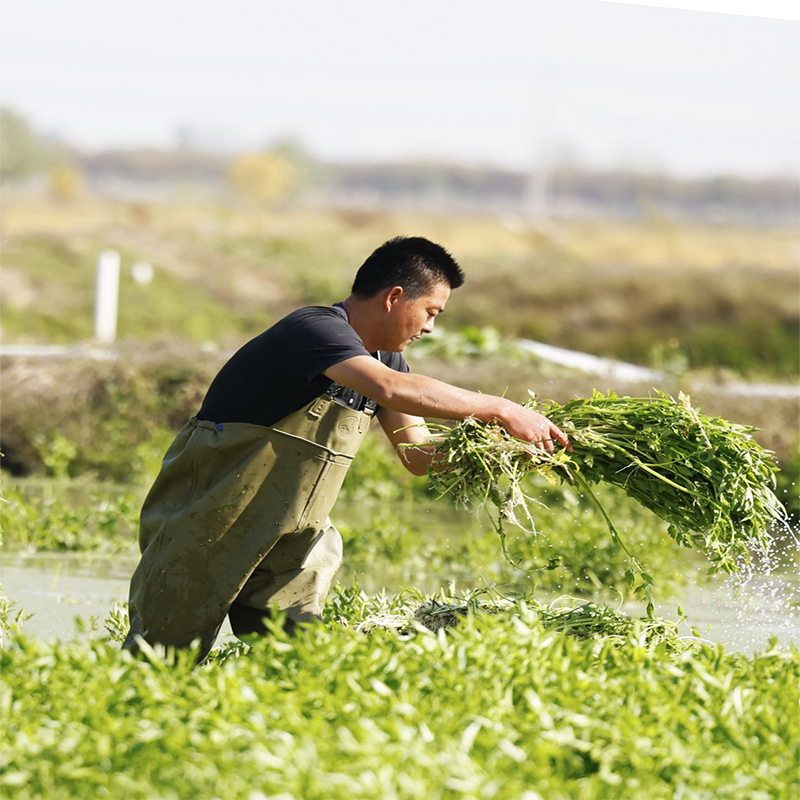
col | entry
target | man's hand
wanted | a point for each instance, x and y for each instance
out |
(531, 426)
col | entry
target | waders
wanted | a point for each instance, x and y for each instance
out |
(239, 515)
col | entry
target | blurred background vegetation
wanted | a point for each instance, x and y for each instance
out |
(644, 267)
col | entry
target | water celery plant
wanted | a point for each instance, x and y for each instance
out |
(503, 705)
(708, 478)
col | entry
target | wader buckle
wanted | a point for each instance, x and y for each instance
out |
(318, 409)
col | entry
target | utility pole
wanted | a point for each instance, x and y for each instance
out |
(537, 195)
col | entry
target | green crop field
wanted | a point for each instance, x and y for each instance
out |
(491, 693)
(504, 705)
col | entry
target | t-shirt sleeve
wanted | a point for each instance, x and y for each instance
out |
(395, 361)
(316, 338)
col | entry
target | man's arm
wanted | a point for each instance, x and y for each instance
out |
(418, 395)
(406, 429)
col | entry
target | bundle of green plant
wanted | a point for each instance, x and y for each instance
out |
(708, 478)
(578, 618)
(435, 612)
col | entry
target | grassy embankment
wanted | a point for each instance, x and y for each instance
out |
(721, 298)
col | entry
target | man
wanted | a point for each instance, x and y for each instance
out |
(237, 520)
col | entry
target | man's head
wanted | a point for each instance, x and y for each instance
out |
(412, 262)
(400, 290)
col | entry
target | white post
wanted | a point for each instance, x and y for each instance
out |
(106, 297)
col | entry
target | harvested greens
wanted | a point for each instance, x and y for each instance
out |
(581, 619)
(708, 478)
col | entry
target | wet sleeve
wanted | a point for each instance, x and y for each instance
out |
(317, 339)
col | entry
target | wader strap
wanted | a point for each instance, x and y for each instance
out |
(204, 423)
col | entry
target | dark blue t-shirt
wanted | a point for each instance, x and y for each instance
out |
(280, 370)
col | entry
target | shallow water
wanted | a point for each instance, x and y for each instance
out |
(57, 588)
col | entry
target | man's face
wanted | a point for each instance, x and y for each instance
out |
(408, 318)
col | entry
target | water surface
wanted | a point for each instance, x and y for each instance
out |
(57, 588)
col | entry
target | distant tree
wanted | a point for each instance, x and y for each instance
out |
(295, 151)
(66, 183)
(308, 169)
(262, 177)
(21, 150)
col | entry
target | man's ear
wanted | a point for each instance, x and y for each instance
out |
(392, 296)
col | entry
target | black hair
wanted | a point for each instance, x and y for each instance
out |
(412, 262)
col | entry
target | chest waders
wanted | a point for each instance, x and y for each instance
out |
(240, 509)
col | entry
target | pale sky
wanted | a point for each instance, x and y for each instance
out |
(489, 82)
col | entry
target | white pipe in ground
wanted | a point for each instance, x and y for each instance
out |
(106, 297)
